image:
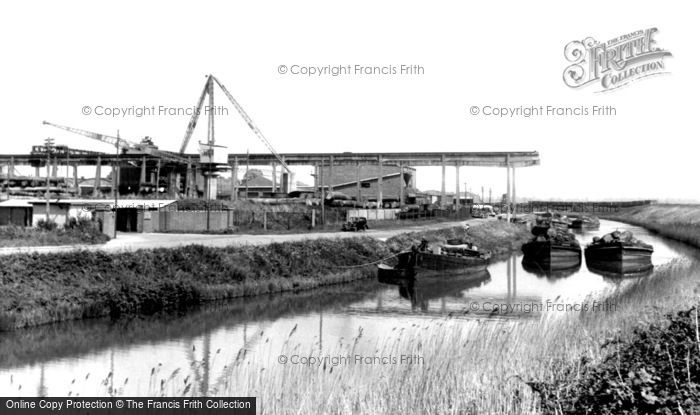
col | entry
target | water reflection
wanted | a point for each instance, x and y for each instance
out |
(619, 269)
(202, 347)
(421, 291)
(548, 271)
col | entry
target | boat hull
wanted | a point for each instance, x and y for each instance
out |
(619, 259)
(428, 262)
(619, 252)
(576, 224)
(557, 271)
(551, 255)
(391, 275)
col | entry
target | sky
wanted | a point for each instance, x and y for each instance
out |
(61, 57)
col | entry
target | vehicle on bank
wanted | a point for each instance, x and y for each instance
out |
(355, 224)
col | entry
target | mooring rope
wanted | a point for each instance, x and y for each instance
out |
(367, 264)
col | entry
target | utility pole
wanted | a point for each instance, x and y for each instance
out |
(323, 193)
(115, 177)
(247, 169)
(49, 145)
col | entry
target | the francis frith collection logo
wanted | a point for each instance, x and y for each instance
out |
(615, 63)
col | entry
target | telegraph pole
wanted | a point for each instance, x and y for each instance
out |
(49, 146)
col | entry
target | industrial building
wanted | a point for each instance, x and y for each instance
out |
(140, 171)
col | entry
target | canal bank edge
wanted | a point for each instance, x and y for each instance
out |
(47, 288)
(673, 221)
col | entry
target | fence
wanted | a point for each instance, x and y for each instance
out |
(374, 214)
(563, 206)
(398, 215)
(226, 220)
(223, 221)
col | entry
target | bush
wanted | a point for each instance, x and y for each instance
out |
(76, 231)
(657, 370)
(46, 225)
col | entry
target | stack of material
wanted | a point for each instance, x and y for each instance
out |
(467, 249)
(626, 238)
(557, 236)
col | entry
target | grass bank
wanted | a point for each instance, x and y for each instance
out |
(44, 288)
(679, 222)
(82, 232)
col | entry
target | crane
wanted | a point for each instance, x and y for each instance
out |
(124, 145)
(209, 90)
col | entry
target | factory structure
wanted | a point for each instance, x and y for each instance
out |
(139, 179)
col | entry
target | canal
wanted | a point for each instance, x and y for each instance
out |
(200, 351)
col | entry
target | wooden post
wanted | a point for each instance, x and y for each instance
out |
(142, 179)
(274, 177)
(515, 277)
(189, 185)
(265, 219)
(456, 198)
(508, 196)
(380, 196)
(359, 184)
(75, 179)
(247, 169)
(313, 218)
(323, 193)
(515, 201)
(234, 179)
(508, 282)
(115, 179)
(402, 183)
(330, 174)
(157, 177)
(98, 177)
(442, 186)
(316, 190)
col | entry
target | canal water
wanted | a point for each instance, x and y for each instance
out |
(162, 354)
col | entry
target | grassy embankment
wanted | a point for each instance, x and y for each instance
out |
(44, 288)
(679, 222)
(81, 232)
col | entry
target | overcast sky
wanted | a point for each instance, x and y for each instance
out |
(58, 57)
